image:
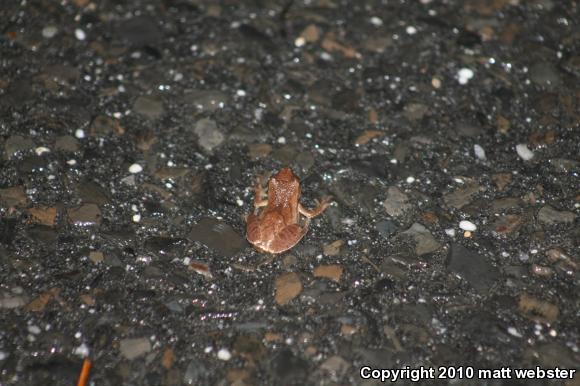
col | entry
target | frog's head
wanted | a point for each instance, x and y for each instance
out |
(286, 175)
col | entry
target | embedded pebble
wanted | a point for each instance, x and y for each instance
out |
(479, 152)
(224, 354)
(209, 135)
(79, 133)
(467, 225)
(80, 34)
(135, 168)
(288, 286)
(41, 150)
(134, 348)
(464, 75)
(524, 153)
(49, 31)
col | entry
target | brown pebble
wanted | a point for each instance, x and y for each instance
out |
(540, 270)
(259, 150)
(310, 34)
(168, 358)
(43, 215)
(348, 330)
(288, 286)
(96, 257)
(331, 271)
(333, 248)
(538, 310)
(367, 135)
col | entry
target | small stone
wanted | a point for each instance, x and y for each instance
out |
(79, 133)
(8, 301)
(16, 144)
(523, 151)
(80, 34)
(224, 354)
(66, 143)
(330, 271)
(96, 257)
(467, 225)
(366, 136)
(502, 180)
(288, 286)
(333, 248)
(134, 348)
(41, 150)
(209, 136)
(424, 240)
(472, 267)
(538, 310)
(168, 358)
(310, 34)
(479, 152)
(43, 215)
(397, 202)
(218, 236)
(336, 367)
(85, 215)
(549, 216)
(135, 168)
(464, 75)
(150, 107)
(386, 227)
(507, 224)
(462, 196)
(13, 196)
(259, 150)
(49, 31)
(545, 74)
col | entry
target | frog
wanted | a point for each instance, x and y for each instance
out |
(275, 224)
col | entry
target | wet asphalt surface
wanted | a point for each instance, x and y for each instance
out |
(131, 135)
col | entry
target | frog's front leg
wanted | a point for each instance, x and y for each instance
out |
(259, 194)
(320, 207)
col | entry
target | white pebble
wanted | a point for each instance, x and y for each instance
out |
(524, 153)
(224, 354)
(300, 41)
(450, 232)
(479, 152)
(514, 332)
(376, 21)
(3, 355)
(464, 75)
(135, 168)
(71, 162)
(241, 93)
(410, 179)
(136, 217)
(281, 140)
(79, 133)
(34, 329)
(82, 350)
(411, 30)
(467, 225)
(239, 202)
(436, 82)
(80, 34)
(41, 150)
(49, 31)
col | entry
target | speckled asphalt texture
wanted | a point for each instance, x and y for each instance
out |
(132, 133)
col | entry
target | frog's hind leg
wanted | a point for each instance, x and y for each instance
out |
(288, 237)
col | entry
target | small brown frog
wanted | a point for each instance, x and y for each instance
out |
(276, 228)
